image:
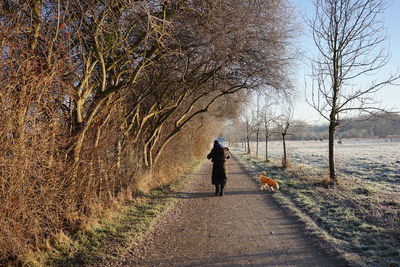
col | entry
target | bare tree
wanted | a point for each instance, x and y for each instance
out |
(284, 122)
(349, 35)
(268, 120)
(257, 122)
(248, 128)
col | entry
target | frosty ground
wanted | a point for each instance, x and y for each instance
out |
(369, 159)
(359, 217)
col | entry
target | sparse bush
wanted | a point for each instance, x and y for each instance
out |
(286, 164)
(325, 180)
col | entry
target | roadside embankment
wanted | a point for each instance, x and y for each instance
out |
(117, 231)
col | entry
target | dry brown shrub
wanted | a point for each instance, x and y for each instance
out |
(286, 164)
(175, 158)
(325, 180)
(188, 146)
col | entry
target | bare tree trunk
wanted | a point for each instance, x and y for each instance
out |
(266, 148)
(119, 153)
(248, 135)
(248, 145)
(257, 134)
(36, 6)
(332, 169)
(284, 160)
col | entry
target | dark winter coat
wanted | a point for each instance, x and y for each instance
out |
(218, 155)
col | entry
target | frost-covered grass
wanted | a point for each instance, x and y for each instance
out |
(374, 160)
(359, 219)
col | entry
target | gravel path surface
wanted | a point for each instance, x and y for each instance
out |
(243, 227)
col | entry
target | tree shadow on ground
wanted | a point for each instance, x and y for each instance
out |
(269, 258)
(211, 194)
(182, 195)
(228, 173)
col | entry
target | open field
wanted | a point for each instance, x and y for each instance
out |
(359, 218)
(373, 160)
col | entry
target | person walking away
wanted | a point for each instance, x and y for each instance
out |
(218, 155)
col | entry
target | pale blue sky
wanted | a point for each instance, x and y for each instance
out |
(389, 97)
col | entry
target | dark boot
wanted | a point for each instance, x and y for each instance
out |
(221, 193)
(217, 189)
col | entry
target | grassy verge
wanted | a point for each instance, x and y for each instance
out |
(116, 233)
(359, 220)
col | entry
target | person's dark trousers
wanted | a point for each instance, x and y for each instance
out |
(221, 192)
(217, 189)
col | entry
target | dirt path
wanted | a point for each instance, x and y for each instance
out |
(244, 227)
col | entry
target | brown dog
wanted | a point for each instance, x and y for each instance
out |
(267, 182)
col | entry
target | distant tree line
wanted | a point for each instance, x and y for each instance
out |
(367, 126)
